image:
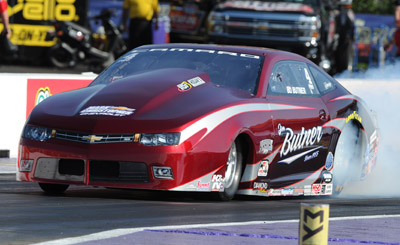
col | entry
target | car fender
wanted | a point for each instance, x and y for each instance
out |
(365, 119)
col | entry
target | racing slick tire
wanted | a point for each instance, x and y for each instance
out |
(233, 173)
(349, 157)
(53, 189)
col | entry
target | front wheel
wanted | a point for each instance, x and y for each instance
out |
(233, 173)
(53, 189)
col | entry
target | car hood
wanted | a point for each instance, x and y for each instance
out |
(161, 100)
(266, 6)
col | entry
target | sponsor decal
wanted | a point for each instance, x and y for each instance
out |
(190, 187)
(321, 189)
(187, 85)
(42, 94)
(291, 159)
(266, 146)
(299, 190)
(327, 189)
(327, 176)
(329, 162)
(310, 83)
(294, 142)
(311, 156)
(210, 51)
(200, 184)
(197, 81)
(295, 90)
(203, 186)
(116, 111)
(115, 78)
(274, 192)
(184, 86)
(260, 185)
(287, 192)
(307, 190)
(354, 116)
(316, 189)
(263, 170)
(217, 182)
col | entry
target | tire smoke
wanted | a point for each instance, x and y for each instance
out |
(380, 89)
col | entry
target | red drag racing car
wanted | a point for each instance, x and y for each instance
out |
(202, 118)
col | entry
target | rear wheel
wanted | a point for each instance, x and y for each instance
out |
(349, 157)
(233, 173)
(53, 189)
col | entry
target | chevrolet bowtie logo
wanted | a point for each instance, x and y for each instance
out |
(92, 138)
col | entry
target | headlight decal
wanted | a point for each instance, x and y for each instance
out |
(37, 133)
(160, 139)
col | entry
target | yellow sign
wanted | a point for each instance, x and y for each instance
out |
(314, 222)
(31, 20)
(30, 35)
(61, 10)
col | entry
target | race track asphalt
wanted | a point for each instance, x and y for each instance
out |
(80, 217)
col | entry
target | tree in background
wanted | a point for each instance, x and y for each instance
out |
(374, 6)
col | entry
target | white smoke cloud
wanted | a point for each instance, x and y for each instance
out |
(390, 71)
(380, 89)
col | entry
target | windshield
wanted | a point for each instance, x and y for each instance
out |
(224, 68)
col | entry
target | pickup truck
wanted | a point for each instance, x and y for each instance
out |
(321, 30)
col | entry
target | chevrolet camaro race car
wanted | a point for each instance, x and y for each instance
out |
(203, 118)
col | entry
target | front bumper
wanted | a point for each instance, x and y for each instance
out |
(119, 165)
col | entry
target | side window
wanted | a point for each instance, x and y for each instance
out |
(291, 78)
(323, 81)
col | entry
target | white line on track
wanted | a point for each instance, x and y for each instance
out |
(127, 231)
(8, 172)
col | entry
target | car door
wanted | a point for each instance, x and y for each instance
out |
(299, 140)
